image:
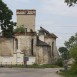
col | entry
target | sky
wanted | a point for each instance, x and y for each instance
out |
(53, 15)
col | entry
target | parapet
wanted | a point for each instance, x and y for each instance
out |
(26, 12)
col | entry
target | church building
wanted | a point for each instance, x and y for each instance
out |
(30, 47)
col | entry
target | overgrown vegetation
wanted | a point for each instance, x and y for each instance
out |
(19, 30)
(68, 73)
(71, 45)
(32, 66)
(64, 55)
(59, 62)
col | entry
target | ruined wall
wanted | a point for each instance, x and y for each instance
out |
(17, 58)
(26, 18)
(42, 37)
(7, 53)
(6, 46)
(43, 55)
(54, 51)
(24, 44)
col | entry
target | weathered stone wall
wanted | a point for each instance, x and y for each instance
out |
(47, 55)
(42, 37)
(24, 44)
(6, 46)
(34, 45)
(16, 58)
(7, 53)
(43, 55)
(50, 41)
(26, 19)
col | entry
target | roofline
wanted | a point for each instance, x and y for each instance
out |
(52, 34)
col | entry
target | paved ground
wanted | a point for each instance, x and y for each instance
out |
(28, 72)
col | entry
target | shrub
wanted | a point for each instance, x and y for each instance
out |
(59, 62)
(20, 29)
(73, 69)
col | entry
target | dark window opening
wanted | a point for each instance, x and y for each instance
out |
(16, 43)
(25, 30)
(53, 49)
(32, 47)
(31, 30)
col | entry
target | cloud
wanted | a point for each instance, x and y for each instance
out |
(58, 7)
(16, 3)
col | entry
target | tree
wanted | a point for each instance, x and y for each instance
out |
(73, 51)
(71, 45)
(71, 2)
(64, 52)
(5, 20)
(71, 42)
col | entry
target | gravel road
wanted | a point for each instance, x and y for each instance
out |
(29, 72)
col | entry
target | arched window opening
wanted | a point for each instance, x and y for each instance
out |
(53, 49)
(16, 44)
(32, 47)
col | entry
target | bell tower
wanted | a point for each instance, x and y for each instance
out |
(26, 18)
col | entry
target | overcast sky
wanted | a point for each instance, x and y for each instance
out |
(53, 15)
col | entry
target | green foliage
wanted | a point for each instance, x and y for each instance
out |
(73, 69)
(68, 74)
(42, 66)
(31, 66)
(20, 30)
(5, 20)
(59, 62)
(49, 66)
(74, 53)
(64, 52)
(71, 42)
(71, 2)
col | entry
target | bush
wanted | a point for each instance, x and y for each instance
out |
(67, 74)
(73, 69)
(74, 56)
(20, 29)
(49, 66)
(59, 62)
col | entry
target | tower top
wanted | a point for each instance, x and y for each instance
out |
(26, 12)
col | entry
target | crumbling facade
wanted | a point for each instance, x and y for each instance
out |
(30, 47)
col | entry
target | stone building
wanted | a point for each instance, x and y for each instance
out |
(31, 47)
(26, 18)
